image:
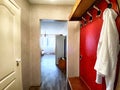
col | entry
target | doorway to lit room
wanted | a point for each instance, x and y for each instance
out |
(53, 44)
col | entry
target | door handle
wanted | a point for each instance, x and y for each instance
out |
(18, 60)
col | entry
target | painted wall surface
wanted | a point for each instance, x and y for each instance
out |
(25, 42)
(42, 12)
(73, 48)
(56, 12)
(89, 36)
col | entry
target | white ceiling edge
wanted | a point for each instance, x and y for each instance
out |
(53, 2)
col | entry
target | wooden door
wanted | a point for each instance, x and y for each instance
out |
(10, 47)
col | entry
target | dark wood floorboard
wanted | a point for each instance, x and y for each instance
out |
(52, 77)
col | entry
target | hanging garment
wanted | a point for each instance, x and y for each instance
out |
(107, 50)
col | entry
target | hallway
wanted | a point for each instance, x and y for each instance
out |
(52, 77)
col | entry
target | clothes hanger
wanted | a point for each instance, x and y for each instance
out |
(109, 4)
(90, 16)
(98, 10)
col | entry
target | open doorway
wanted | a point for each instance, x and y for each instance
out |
(53, 45)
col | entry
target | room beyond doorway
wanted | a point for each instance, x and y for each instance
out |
(50, 40)
(49, 29)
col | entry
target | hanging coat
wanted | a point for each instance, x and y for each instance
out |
(107, 50)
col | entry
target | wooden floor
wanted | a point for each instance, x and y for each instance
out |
(52, 77)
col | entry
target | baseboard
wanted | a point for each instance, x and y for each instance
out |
(37, 86)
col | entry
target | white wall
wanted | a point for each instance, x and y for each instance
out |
(39, 12)
(25, 42)
(57, 13)
(73, 48)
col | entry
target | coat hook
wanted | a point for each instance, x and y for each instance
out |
(90, 16)
(98, 10)
(85, 21)
(83, 18)
(107, 1)
(109, 4)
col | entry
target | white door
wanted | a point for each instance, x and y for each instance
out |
(59, 49)
(10, 46)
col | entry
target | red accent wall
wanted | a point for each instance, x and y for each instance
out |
(89, 36)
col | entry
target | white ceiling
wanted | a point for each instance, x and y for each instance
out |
(53, 2)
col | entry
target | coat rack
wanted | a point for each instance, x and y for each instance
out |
(98, 12)
(85, 21)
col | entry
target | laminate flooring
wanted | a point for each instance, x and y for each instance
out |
(52, 77)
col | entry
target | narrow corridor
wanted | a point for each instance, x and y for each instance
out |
(52, 77)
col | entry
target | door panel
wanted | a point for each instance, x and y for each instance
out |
(7, 81)
(11, 86)
(7, 56)
(9, 23)
(6, 39)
